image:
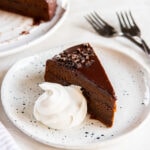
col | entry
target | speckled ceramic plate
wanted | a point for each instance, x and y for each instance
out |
(17, 32)
(131, 82)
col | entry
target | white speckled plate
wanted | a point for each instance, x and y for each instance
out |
(131, 82)
(17, 32)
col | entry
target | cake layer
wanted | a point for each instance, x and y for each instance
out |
(104, 113)
(73, 77)
(37, 9)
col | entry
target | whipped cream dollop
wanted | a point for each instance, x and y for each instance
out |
(60, 107)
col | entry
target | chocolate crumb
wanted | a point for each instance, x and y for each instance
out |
(24, 32)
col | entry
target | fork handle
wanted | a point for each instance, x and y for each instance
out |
(133, 40)
(146, 48)
(141, 45)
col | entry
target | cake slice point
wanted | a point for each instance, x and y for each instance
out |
(80, 66)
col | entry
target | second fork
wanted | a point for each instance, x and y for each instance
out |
(106, 30)
(129, 27)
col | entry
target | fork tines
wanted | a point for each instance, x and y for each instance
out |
(95, 20)
(101, 26)
(127, 24)
(129, 27)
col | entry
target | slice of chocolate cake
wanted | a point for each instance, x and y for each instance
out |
(79, 65)
(37, 9)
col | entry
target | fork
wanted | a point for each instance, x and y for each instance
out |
(106, 30)
(129, 27)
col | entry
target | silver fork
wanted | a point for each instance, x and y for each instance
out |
(106, 30)
(129, 27)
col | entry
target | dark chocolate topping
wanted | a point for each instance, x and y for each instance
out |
(80, 57)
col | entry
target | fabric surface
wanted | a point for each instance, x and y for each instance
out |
(6, 140)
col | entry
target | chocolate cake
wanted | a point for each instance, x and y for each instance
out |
(37, 9)
(79, 65)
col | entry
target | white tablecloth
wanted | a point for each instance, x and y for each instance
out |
(75, 28)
